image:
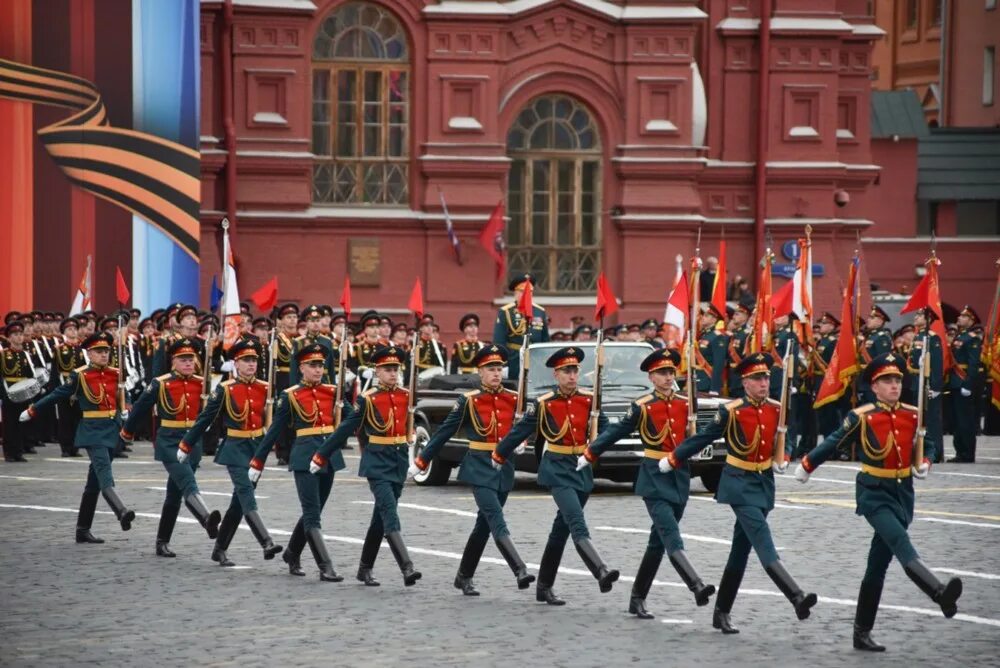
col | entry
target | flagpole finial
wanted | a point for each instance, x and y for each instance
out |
(225, 224)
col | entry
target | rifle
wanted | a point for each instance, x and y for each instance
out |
(595, 403)
(338, 404)
(921, 402)
(272, 347)
(411, 438)
(786, 376)
(522, 378)
(692, 394)
(206, 381)
(121, 366)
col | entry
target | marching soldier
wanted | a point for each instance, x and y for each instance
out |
(17, 366)
(242, 403)
(464, 352)
(287, 317)
(486, 414)
(313, 316)
(65, 358)
(560, 420)
(177, 398)
(886, 432)
(381, 414)
(660, 417)
(736, 348)
(95, 387)
(877, 340)
(964, 383)
(934, 381)
(511, 326)
(827, 416)
(710, 353)
(309, 409)
(750, 427)
(786, 341)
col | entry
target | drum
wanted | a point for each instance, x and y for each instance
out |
(42, 375)
(424, 377)
(24, 391)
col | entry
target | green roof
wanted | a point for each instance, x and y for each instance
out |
(897, 113)
(959, 164)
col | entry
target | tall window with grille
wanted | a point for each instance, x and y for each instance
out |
(554, 196)
(360, 107)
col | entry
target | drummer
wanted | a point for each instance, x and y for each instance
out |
(19, 387)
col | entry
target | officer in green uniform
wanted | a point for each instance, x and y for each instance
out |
(66, 356)
(877, 341)
(786, 341)
(827, 417)
(933, 382)
(368, 342)
(183, 321)
(511, 326)
(463, 353)
(309, 407)
(287, 319)
(710, 355)
(660, 418)
(177, 398)
(429, 353)
(750, 427)
(560, 420)
(95, 387)
(313, 317)
(964, 382)
(381, 412)
(483, 417)
(242, 405)
(885, 432)
(736, 348)
(17, 366)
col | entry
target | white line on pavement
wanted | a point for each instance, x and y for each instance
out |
(961, 522)
(686, 536)
(430, 509)
(927, 612)
(85, 461)
(676, 621)
(24, 477)
(971, 574)
(967, 475)
(163, 489)
(814, 478)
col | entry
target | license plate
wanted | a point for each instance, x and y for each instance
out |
(704, 454)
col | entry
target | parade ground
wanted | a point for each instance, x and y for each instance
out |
(118, 604)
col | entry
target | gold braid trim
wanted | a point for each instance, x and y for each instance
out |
(465, 361)
(644, 432)
(517, 330)
(164, 401)
(300, 411)
(543, 426)
(875, 453)
(477, 424)
(733, 437)
(372, 417)
(97, 400)
(239, 416)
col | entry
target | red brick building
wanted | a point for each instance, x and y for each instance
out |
(612, 131)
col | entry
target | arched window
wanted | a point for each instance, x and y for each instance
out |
(553, 195)
(360, 107)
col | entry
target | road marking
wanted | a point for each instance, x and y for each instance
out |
(811, 478)
(676, 621)
(967, 524)
(971, 574)
(967, 475)
(927, 612)
(430, 509)
(115, 461)
(850, 504)
(228, 494)
(24, 477)
(686, 536)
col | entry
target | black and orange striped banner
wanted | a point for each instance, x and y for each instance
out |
(156, 179)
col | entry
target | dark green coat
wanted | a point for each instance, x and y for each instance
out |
(378, 462)
(90, 432)
(167, 438)
(234, 451)
(303, 447)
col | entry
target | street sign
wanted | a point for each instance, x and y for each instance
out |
(788, 270)
(791, 250)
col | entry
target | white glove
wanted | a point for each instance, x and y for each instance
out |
(413, 471)
(124, 414)
(228, 366)
(495, 464)
(920, 472)
(793, 390)
(801, 474)
(966, 392)
(314, 467)
(581, 463)
(779, 467)
(24, 417)
(519, 450)
(254, 475)
(664, 465)
(181, 456)
(932, 394)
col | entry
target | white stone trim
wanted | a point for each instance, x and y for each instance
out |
(269, 118)
(464, 123)
(728, 164)
(513, 7)
(867, 30)
(735, 23)
(660, 125)
(844, 133)
(466, 158)
(811, 24)
(209, 139)
(863, 222)
(928, 240)
(273, 4)
(803, 131)
(288, 155)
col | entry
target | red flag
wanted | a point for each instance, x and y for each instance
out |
(416, 303)
(678, 308)
(781, 301)
(491, 238)
(844, 363)
(345, 297)
(524, 304)
(920, 297)
(763, 321)
(606, 302)
(927, 295)
(719, 287)
(267, 296)
(121, 290)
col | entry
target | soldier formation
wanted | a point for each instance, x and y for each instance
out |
(110, 380)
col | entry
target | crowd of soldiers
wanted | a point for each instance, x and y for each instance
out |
(113, 379)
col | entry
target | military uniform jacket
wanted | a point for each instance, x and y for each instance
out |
(510, 328)
(710, 356)
(363, 351)
(877, 342)
(966, 350)
(483, 418)
(96, 392)
(65, 358)
(283, 360)
(309, 410)
(886, 435)
(822, 354)
(430, 354)
(242, 407)
(15, 366)
(785, 339)
(462, 354)
(178, 401)
(750, 430)
(660, 421)
(329, 374)
(934, 381)
(380, 414)
(734, 353)
(562, 423)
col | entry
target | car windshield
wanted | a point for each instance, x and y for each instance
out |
(621, 368)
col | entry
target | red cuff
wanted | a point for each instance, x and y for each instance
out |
(421, 464)
(184, 447)
(497, 458)
(126, 436)
(256, 464)
(589, 456)
(807, 465)
(319, 460)
(674, 462)
(32, 412)
(927, 461)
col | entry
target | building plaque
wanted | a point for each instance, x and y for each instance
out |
(365, 261)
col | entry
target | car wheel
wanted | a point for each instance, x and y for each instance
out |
(437, 472)
(710, 479)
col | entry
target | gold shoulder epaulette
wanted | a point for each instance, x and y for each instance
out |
(164, 376)
(291, 389)
(861, 410)
(370, 391)
(733, 404)
(645, 399)
(586, 393)
(81, 368)
(547, 395)
(227, 383)
(507, 307)
(471, 393)
(909, 407)
(773, 402)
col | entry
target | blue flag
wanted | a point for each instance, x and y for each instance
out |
(216, 295)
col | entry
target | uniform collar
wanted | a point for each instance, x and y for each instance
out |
(885, 406)
(182, 376)
(489, 391)
(562, 395)
(386, 388)
(248, 380)
(307, 384)
(662, 395)
(755, 404)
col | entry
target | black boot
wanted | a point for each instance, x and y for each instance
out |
(702, 592)
(864, 617)
(259, 532)
(294, 551)
(369, 552)
(85, 519)
(799, 599)
(643, 582)
(124, 515)
(729, 585)
(605, 578)
(168, 518)
(467, 567)
(208, 520)
(227, 530)
(945, 595)
(322, 557)
(398, 548)
(513, 559)
(547, 574)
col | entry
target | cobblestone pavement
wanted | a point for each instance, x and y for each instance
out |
(118, 604)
